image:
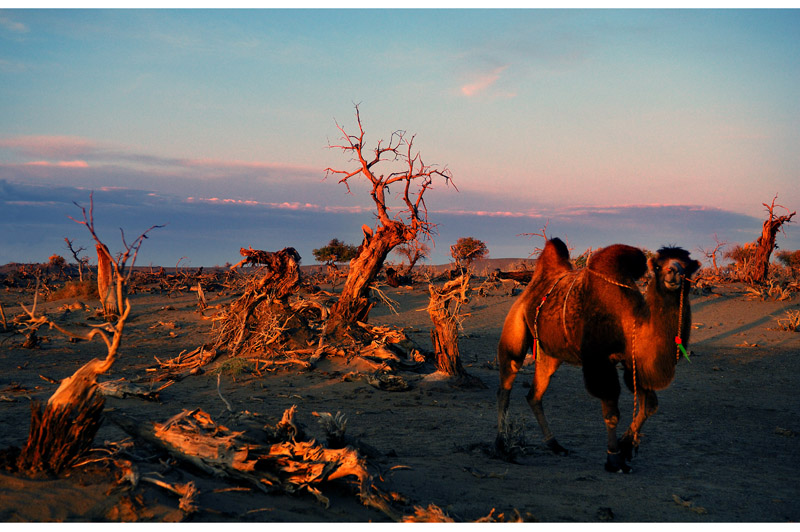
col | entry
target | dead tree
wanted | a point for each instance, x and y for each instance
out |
(543, 233)
(414, 251)
(712, 253)
(65, 428)
(405, 167)
(758, 269)
(78, 260)
(444, 310)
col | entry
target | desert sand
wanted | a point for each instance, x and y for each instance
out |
(723, 447)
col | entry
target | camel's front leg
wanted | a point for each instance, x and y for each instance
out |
(647, 401)
(600, 377)
(615, 460)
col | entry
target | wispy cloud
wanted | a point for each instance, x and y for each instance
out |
(503, 214)
(60, 164)
(61, 151)
(13, 26)
(483, 82)
(285, 205)
(50, 147)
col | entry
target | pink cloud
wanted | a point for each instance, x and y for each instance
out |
(483, 82)
(50, 147)
(503, 214)
(60, 164)
(286, 205)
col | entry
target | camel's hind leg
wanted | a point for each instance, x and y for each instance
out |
(515, 343)
(508, 372)
(545, 367)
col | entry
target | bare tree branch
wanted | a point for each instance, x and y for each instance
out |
(401, 166)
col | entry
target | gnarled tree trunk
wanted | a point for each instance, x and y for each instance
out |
(758, 269)
(443, 309)
(353, 304)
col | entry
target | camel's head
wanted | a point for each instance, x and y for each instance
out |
(671, 266)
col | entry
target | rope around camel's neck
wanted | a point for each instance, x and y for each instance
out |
(661, 313)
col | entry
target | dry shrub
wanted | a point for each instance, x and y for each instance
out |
(791, 322)
(75, 290)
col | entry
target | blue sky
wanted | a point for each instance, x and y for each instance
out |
(641, 126)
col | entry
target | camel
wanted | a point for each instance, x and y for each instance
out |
(597, 318)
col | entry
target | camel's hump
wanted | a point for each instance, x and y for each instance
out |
(620, 261)
(554, 257)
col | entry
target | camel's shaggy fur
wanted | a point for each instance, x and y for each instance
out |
(597, 318)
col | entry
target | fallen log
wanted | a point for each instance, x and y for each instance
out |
(290, 466)
(123, 389)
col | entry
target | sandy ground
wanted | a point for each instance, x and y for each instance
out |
(724, 446)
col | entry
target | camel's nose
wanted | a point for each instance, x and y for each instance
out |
(673, 275)
(674, 269)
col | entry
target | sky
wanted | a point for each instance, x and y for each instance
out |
(642, 126)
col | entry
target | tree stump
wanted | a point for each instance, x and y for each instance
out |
(282, 278)
(65, 428)
(443, 308)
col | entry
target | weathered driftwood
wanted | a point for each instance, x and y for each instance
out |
(188, 493)
(189, 360)
(289, 465)
(380, 380)
(521, 276)
(391, 347)
(122, 389)
(257, 257)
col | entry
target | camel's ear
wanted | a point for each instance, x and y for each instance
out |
(692, 267)
(652, 265)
